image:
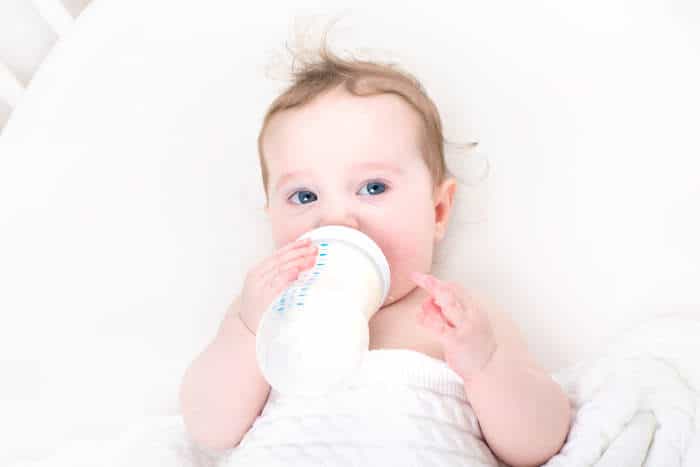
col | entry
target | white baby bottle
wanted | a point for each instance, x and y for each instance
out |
(315, 334)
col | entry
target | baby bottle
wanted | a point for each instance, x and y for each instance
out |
(314, 335)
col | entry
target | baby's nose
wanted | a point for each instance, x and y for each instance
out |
(346, 220)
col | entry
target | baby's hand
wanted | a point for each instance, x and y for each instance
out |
(460, 323)
(269, 277)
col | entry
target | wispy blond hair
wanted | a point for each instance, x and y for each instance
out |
(320, 71)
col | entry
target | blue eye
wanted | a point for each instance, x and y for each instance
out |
(376, 187)
(305, 195)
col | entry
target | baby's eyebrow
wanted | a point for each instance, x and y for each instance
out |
(363, 165)
(379, 166)
(287, 176)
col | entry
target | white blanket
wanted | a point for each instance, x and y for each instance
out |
(402, 408)
(637, 405)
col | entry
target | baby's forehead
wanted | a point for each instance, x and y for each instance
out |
(344, 158)
(381, 127)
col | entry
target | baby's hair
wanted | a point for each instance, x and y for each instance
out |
(326, 71)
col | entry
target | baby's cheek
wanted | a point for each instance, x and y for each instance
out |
(285, 233)
(403, 259)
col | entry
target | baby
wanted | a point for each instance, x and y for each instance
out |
(359, 144)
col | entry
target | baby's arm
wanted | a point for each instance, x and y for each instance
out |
(223, 391)
(524, 415)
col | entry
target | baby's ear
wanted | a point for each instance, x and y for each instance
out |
(443, 207)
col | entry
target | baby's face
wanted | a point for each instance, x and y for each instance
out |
(354, 161)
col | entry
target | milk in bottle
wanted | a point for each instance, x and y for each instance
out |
(315, 333)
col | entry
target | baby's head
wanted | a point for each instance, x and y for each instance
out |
(359, 144)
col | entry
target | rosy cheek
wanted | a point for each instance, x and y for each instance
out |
(283, 238)
(404, 251)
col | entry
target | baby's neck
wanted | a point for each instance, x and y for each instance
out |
(396, 326)
(408, 304)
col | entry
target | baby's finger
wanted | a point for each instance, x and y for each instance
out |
(300, 263)
(431, 307)
(294, 244)
(260, 268)
(444, 296)
(281, 280)
(291, 246)
(290, 272)
(454, 315)
(431, 283)
(283, 253)
(434, 286)
(304, 252)
(452, 306)
(431, 317)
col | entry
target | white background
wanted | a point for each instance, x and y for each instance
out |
(130, 197)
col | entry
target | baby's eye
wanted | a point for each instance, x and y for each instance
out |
(303, 195)
(376, 187)
(306, 197)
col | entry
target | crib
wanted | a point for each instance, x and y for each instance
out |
(130, 197)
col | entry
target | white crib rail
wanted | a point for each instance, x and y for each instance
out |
(60, 20)
(56, 15)
(11, 89)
